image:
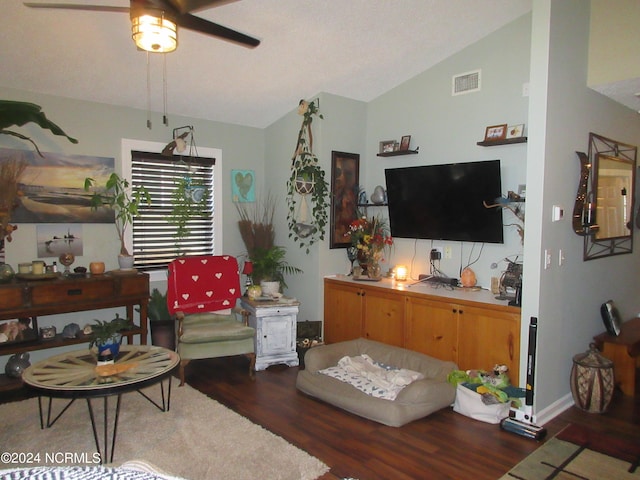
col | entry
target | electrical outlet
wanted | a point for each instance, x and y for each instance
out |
(447, 252)
(436, 253)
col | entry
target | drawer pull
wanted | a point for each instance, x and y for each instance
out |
(74, 291)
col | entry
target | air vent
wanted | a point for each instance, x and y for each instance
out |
(465, 83)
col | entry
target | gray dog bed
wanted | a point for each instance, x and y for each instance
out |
(417, 400)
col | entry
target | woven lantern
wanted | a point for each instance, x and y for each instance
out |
(592, 381)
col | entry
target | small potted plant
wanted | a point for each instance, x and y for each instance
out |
(125, 202)
(269, 268)
(106, 336)
(161, 322)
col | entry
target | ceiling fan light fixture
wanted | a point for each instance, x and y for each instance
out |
(153, 31)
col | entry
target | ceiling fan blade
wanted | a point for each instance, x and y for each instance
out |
(209, 28)
(185, 20)
(188, 6)
(75, 6)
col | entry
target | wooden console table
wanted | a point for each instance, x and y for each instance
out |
(624, 352)
(21, 299)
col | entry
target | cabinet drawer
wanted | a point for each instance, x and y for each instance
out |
(10, 298)
(136, 285)
(71, 292)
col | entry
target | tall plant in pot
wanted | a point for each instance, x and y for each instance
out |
(118, 195)
(268, 260)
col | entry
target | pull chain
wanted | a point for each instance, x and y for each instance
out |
(148, 92)
(165, 118)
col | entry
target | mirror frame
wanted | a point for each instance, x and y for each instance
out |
(605, 247)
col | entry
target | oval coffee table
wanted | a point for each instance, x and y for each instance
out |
(75, 375)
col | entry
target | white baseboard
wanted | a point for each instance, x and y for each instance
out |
(555, 409)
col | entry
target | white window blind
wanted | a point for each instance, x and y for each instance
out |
(154, 241)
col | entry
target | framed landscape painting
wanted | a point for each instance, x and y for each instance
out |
(52, 187)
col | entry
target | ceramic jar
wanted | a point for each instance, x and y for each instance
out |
(37, 267)
(96, 268)
(6, 272)
(378, 196)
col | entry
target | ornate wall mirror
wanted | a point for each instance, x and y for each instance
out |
(606, 202)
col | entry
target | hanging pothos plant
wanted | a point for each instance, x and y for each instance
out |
(307, 182)
(190, 200)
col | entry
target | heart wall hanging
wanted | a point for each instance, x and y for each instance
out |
(243, 186)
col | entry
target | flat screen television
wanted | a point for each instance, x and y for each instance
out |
(445, 202)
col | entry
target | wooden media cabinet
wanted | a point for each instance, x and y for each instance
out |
(470, 328)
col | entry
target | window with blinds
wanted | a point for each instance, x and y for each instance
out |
(154, 240)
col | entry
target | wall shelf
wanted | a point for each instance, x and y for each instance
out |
(397, 153)
(506, 141)
(365, 205)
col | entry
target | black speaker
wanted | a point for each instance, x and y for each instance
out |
(611, 318)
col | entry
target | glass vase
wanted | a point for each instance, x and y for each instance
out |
(363, 261)
(374, 271)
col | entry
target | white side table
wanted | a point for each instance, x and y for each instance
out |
(275, 324)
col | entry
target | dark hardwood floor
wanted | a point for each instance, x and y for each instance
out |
(443, 445)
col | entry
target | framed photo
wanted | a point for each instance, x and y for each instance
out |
(515, 131)
(387, 146)
(18, 331)
(404, 143)
(345, 184)
(495, 132)
(54, 239)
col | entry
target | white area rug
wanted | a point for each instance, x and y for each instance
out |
(197, 439)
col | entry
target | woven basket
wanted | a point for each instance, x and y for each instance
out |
(592, 381)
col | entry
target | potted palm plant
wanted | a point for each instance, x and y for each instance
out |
(125, 201)
(269, 268)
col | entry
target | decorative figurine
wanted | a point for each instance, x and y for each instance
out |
(17, 364)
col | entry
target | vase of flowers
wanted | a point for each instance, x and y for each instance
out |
(371, 237)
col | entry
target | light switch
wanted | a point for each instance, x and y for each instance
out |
(557, 213)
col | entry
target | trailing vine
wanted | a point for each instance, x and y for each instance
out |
(190, 201)
(307, 181)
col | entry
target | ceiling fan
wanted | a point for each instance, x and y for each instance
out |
(154, 22)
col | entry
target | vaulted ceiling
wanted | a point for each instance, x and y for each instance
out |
(354, 48)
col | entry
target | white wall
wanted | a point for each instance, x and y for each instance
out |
(614, 41)
(447, 128)
(566, 299)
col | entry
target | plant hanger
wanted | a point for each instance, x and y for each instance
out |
(306, 184)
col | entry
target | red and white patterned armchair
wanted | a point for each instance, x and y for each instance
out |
(202, 293)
